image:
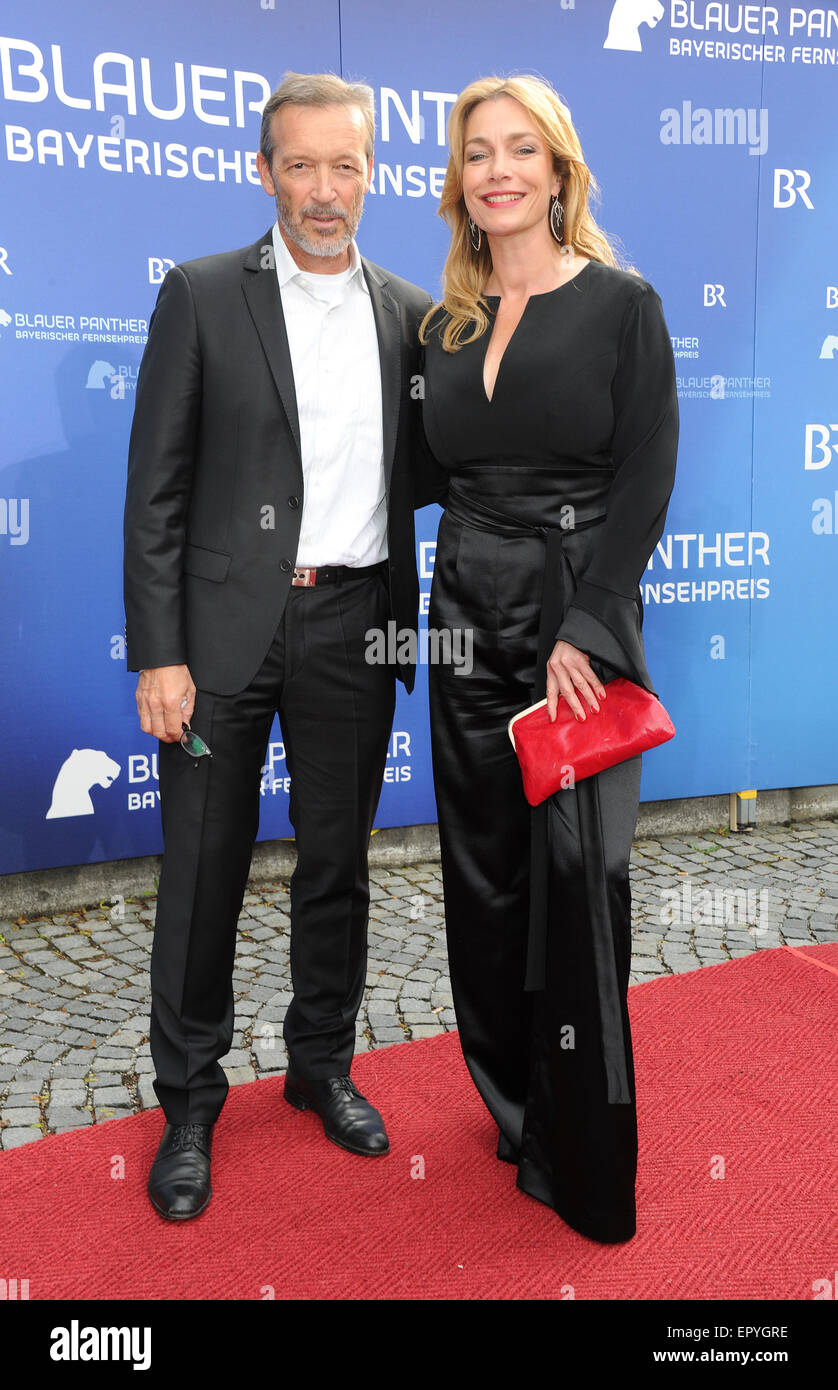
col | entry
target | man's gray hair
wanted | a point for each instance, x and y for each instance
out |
(318, 89)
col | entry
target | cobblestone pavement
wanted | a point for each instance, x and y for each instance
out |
(74, 988)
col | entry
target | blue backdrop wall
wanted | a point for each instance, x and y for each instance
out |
(127, 143)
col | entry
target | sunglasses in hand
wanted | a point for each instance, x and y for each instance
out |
(193, 744)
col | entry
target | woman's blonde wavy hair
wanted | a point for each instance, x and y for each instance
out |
(466, 271)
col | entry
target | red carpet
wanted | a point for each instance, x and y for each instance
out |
(736, 1060)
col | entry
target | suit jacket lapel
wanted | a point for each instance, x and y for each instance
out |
(388, 327)
(264, 301)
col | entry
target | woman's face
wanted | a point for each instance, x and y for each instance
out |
(508, 174)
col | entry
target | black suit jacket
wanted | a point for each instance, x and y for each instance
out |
(215, 484)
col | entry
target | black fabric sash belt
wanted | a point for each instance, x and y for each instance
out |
(465, 509)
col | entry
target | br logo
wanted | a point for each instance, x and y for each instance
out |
(99, 376)
(85, 768)
(626, 19)
(830, 346)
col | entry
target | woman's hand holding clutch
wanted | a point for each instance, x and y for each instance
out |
(569, 671)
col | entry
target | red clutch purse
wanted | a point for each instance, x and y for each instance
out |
(560, 754)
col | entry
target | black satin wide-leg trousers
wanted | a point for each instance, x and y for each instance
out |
(537, 1057)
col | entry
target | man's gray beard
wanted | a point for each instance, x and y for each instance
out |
(315, 246)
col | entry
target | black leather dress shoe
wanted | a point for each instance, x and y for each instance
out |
(348, 1119)
(179, 1181)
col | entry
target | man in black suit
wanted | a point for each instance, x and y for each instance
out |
(268, 528)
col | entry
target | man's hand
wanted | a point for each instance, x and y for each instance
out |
(165, 701)
(569, 670)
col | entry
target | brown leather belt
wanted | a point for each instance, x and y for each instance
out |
(308, 578)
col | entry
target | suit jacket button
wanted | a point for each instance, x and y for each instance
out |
(285, 566)
(294, 502)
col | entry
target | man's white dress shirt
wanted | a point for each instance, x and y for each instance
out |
(337, 381)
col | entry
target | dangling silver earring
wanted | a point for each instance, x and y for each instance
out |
(472, 228)
(556, 219)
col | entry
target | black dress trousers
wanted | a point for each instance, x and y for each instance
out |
(335, 711)
(577, 443)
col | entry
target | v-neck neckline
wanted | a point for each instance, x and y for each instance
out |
(496, 298)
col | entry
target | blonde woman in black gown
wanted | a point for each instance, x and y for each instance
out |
(551, 419)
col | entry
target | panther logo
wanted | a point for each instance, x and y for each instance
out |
(100, 375)
(85, 768)
(626, 19)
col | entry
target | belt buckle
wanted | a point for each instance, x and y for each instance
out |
(303, 578)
